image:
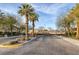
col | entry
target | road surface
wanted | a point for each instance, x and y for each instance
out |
(45, 45)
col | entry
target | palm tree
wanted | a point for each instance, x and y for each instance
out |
(25, 10)
(2, 20)
(1, 17)
(33, 17)
(10, 21)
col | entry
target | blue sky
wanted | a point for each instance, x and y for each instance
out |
(48, 12)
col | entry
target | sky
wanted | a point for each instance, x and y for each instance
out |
(48, 12)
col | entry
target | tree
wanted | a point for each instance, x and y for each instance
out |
(22, 28)
(65, 24)
(7, 22)
(75, 15)
(1, 17)
(25, 10)
(2, 20)
(33, 17)
(10, 20)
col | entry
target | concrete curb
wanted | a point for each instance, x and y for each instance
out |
(10, 46)
(10, 37)
(33, 39)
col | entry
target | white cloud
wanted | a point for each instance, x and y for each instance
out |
(51, 9)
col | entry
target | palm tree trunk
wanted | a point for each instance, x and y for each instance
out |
(33, 29)
(27, 27)
(77, 34)
(68, 31)
(11, 30)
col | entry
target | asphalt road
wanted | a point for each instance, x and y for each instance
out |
(45, 45)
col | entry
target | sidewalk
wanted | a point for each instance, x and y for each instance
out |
(73, 41)
(12, 37)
